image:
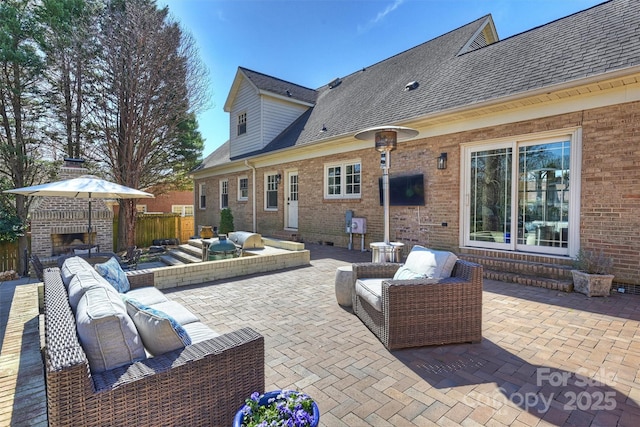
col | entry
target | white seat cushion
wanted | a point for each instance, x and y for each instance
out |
(147, 295)
(423, 262)
(198, 331)
(176, 311)
(371, 291)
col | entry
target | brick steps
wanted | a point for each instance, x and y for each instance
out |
(188, 253)
(524, 269)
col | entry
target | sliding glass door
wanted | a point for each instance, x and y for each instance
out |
(517, 195)
(491, 195)
(543, 195)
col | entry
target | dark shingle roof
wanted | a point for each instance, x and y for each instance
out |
(598, 40)
(280, 87)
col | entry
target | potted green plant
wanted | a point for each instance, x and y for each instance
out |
(592, 273)
(278, 408)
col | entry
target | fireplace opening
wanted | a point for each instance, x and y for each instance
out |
(63, 244)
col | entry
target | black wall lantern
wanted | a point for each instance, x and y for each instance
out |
(442, 161)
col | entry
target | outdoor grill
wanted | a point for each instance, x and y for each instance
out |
(225, 247)
(246, 240)
(222, 248)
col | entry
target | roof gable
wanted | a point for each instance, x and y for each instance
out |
(484, 36)
(267, 85)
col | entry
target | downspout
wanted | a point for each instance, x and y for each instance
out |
(253, 193)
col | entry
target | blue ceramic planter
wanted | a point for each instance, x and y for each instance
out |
(264, 400)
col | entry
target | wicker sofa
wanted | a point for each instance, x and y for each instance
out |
(201, 384)
(424, 311)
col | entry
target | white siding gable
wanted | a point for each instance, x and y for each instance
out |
(277, 115)
(267, 117)
(246, 101)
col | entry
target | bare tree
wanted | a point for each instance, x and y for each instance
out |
(151, 79)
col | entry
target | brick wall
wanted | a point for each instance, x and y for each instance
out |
(66, 215)
(610, 189)
(610, 215)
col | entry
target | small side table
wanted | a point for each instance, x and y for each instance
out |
(344, 285)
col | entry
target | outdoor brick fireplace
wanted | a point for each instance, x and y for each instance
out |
(59, 224)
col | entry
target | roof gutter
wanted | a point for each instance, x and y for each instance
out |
(253, 194)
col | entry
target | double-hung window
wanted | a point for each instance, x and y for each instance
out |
(343, 180)
(202, 198)
(242, 123)
(271, 192)
(182, 210)
(224, 194)
(243, 189)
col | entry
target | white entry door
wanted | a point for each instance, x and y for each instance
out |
(291, 221)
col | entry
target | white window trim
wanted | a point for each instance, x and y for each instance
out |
(238, 123)
(240, 197)
(575, 136)
(183, 209)
(224, 183)
(343, 181)
(266, 182)
(201, 193)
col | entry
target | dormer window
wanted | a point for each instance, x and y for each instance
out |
(242, 123)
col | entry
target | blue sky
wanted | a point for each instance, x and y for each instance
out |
(311, 42)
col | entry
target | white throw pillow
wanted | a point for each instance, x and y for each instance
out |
(107, 333)
(71, 266)
(423, 262)
(84, 280)
(405, 273)
(160, 332)
(94, 250)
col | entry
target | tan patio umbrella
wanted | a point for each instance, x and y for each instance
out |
(84, 187)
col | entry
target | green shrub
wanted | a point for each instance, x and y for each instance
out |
(226, 222)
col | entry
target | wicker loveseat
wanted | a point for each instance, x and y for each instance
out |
(423, 311)
(200, 384)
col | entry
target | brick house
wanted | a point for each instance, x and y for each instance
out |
(172, 201)
(541, 133)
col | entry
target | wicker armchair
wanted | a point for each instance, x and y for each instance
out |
(423, 312)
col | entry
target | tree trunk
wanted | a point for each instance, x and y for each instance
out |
(126, 224)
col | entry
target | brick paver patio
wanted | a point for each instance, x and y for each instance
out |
(547, 357)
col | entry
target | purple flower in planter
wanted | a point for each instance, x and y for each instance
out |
(284, 408)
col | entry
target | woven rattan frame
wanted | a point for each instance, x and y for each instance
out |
(423, 312)
(202, 384)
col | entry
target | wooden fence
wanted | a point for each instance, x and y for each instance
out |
(8, 256)
(150, 227)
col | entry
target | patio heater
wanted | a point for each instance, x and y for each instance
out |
(386, 140)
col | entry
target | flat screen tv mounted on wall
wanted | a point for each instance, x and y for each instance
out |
(404, 190)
